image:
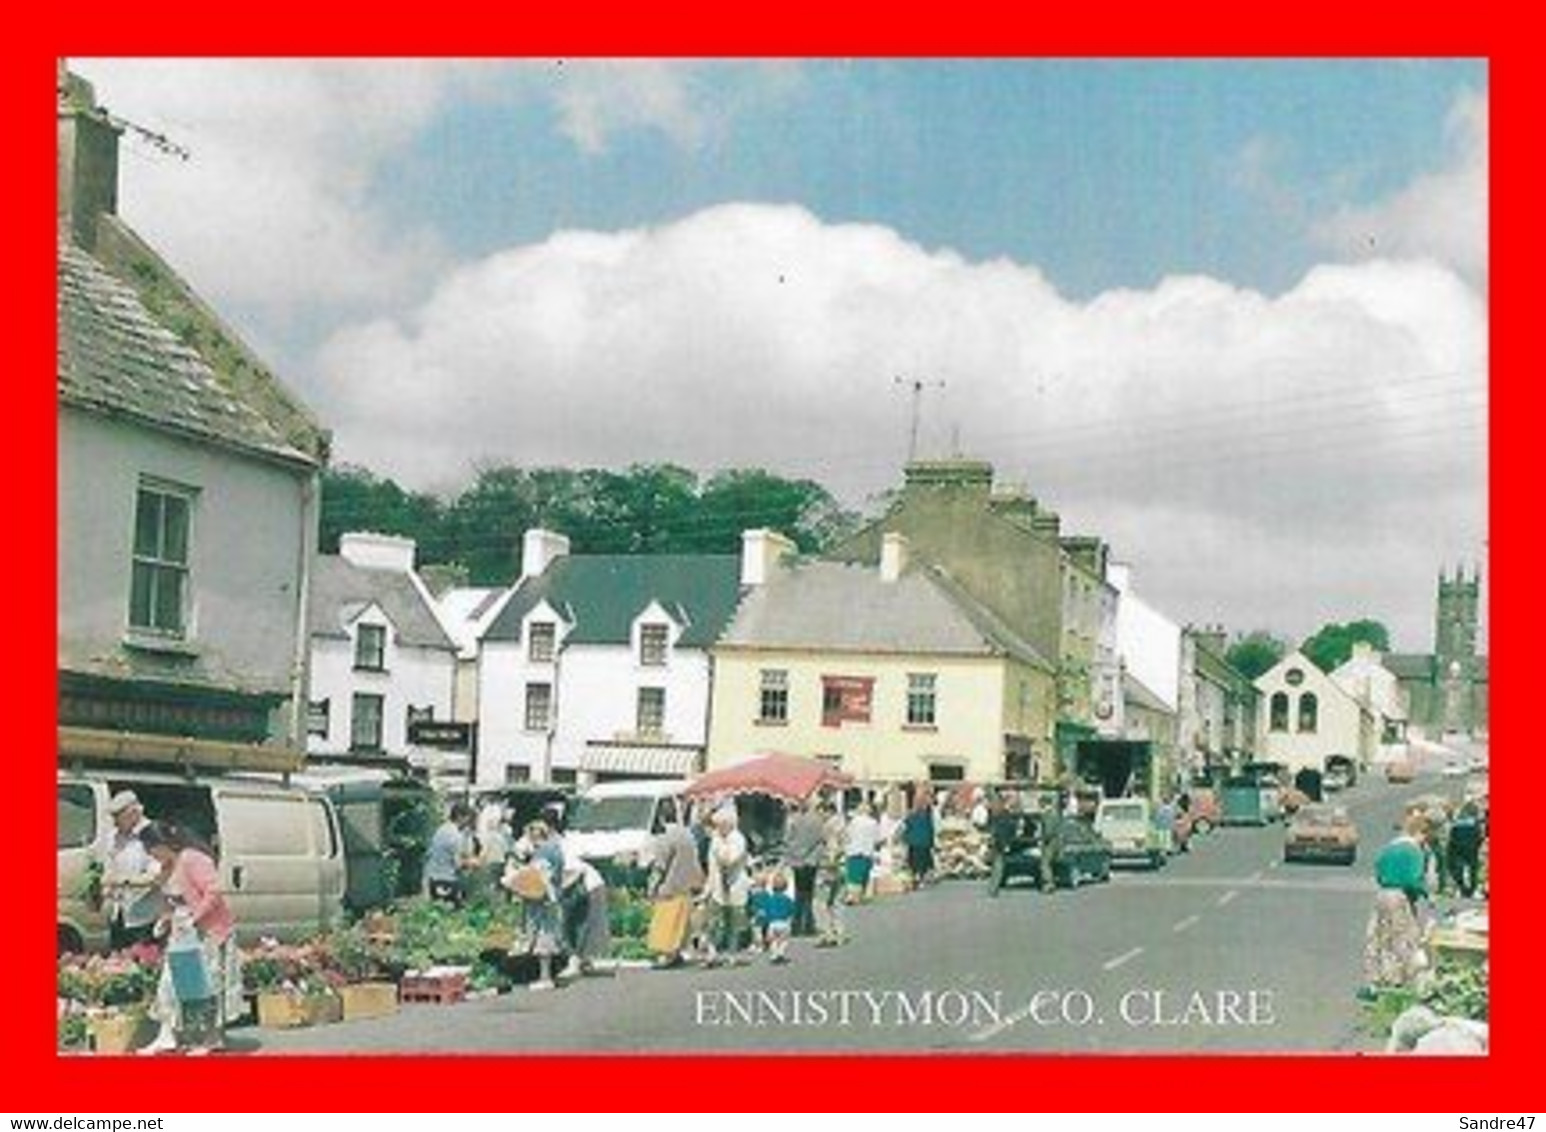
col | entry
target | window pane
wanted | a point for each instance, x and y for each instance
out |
(147, 525)
(139, 596)
(365, 722)
(174, 546)
(167, 598)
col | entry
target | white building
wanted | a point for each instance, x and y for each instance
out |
(597, 667)
(380, 660)
(1305, 718)
(1365, 677)
(1148, 642)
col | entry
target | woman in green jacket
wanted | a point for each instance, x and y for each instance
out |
(1393, 944)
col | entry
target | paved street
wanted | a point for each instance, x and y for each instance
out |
(1225, 949)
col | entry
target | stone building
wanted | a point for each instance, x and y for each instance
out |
(1446, 690)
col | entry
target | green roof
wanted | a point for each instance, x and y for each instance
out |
(602, 594)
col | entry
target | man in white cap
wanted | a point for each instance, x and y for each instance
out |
(132, 883)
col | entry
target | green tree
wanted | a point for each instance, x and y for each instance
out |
(1255, 652)
(742, 499)
(1332, 644)
(356, 499)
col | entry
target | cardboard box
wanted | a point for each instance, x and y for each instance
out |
(368, 1000)
(117, 1033)
(285, 1010)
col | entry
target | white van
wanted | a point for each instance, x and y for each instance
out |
(618, 821)
(280, 854)
(1131, 827)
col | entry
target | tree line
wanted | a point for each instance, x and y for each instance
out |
(659, 509)
(643, 509)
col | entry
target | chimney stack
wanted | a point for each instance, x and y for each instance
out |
(539, 550)
(761, 551)
(893, 556)
(88, 159)
(371, 551)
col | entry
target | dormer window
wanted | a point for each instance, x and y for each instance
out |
(541, 636)
(370, 648)
(653, 640)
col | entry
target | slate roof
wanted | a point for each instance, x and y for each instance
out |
(1422, 666)
(340, 590)
(118, 358)
(1216, 668)
(1409, 665)
(847, 608)
(601, 594)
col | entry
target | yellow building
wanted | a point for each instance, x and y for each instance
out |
(891, 674)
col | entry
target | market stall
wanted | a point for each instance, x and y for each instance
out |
(763, 787)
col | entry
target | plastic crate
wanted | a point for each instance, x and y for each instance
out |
(434, 987)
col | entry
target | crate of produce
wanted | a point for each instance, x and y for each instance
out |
(439, 986)
(367, 1000)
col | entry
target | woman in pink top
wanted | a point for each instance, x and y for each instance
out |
(190, 878)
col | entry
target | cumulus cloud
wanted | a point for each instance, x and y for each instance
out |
(1442, 215)
(273, 209)
(1245, 450)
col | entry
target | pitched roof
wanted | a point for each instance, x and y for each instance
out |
(603, 593)
(340, 590)
(465, 611)
(118, 357)
(1409, 665)
(847, 608)
(1213, 665)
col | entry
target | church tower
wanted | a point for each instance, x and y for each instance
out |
(1454, 648)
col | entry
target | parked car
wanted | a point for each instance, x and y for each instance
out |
(1455, 770)
(1131, 828)
(279, 849)
(1321, 832)
(1202, 808)
(1400, 770)
(1336, 778)
(1020, 843)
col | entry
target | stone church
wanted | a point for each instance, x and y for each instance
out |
(1446, 692)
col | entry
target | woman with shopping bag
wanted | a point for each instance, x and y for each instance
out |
(201, 987)
(676, 877)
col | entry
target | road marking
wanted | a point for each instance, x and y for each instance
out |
(1113, 964)
(1005, 1023)
(1227, 897)
(1304, 878)
(1182, 925)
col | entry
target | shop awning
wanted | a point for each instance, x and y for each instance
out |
(668, 760)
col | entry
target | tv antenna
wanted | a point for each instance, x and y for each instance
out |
(916, 386)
